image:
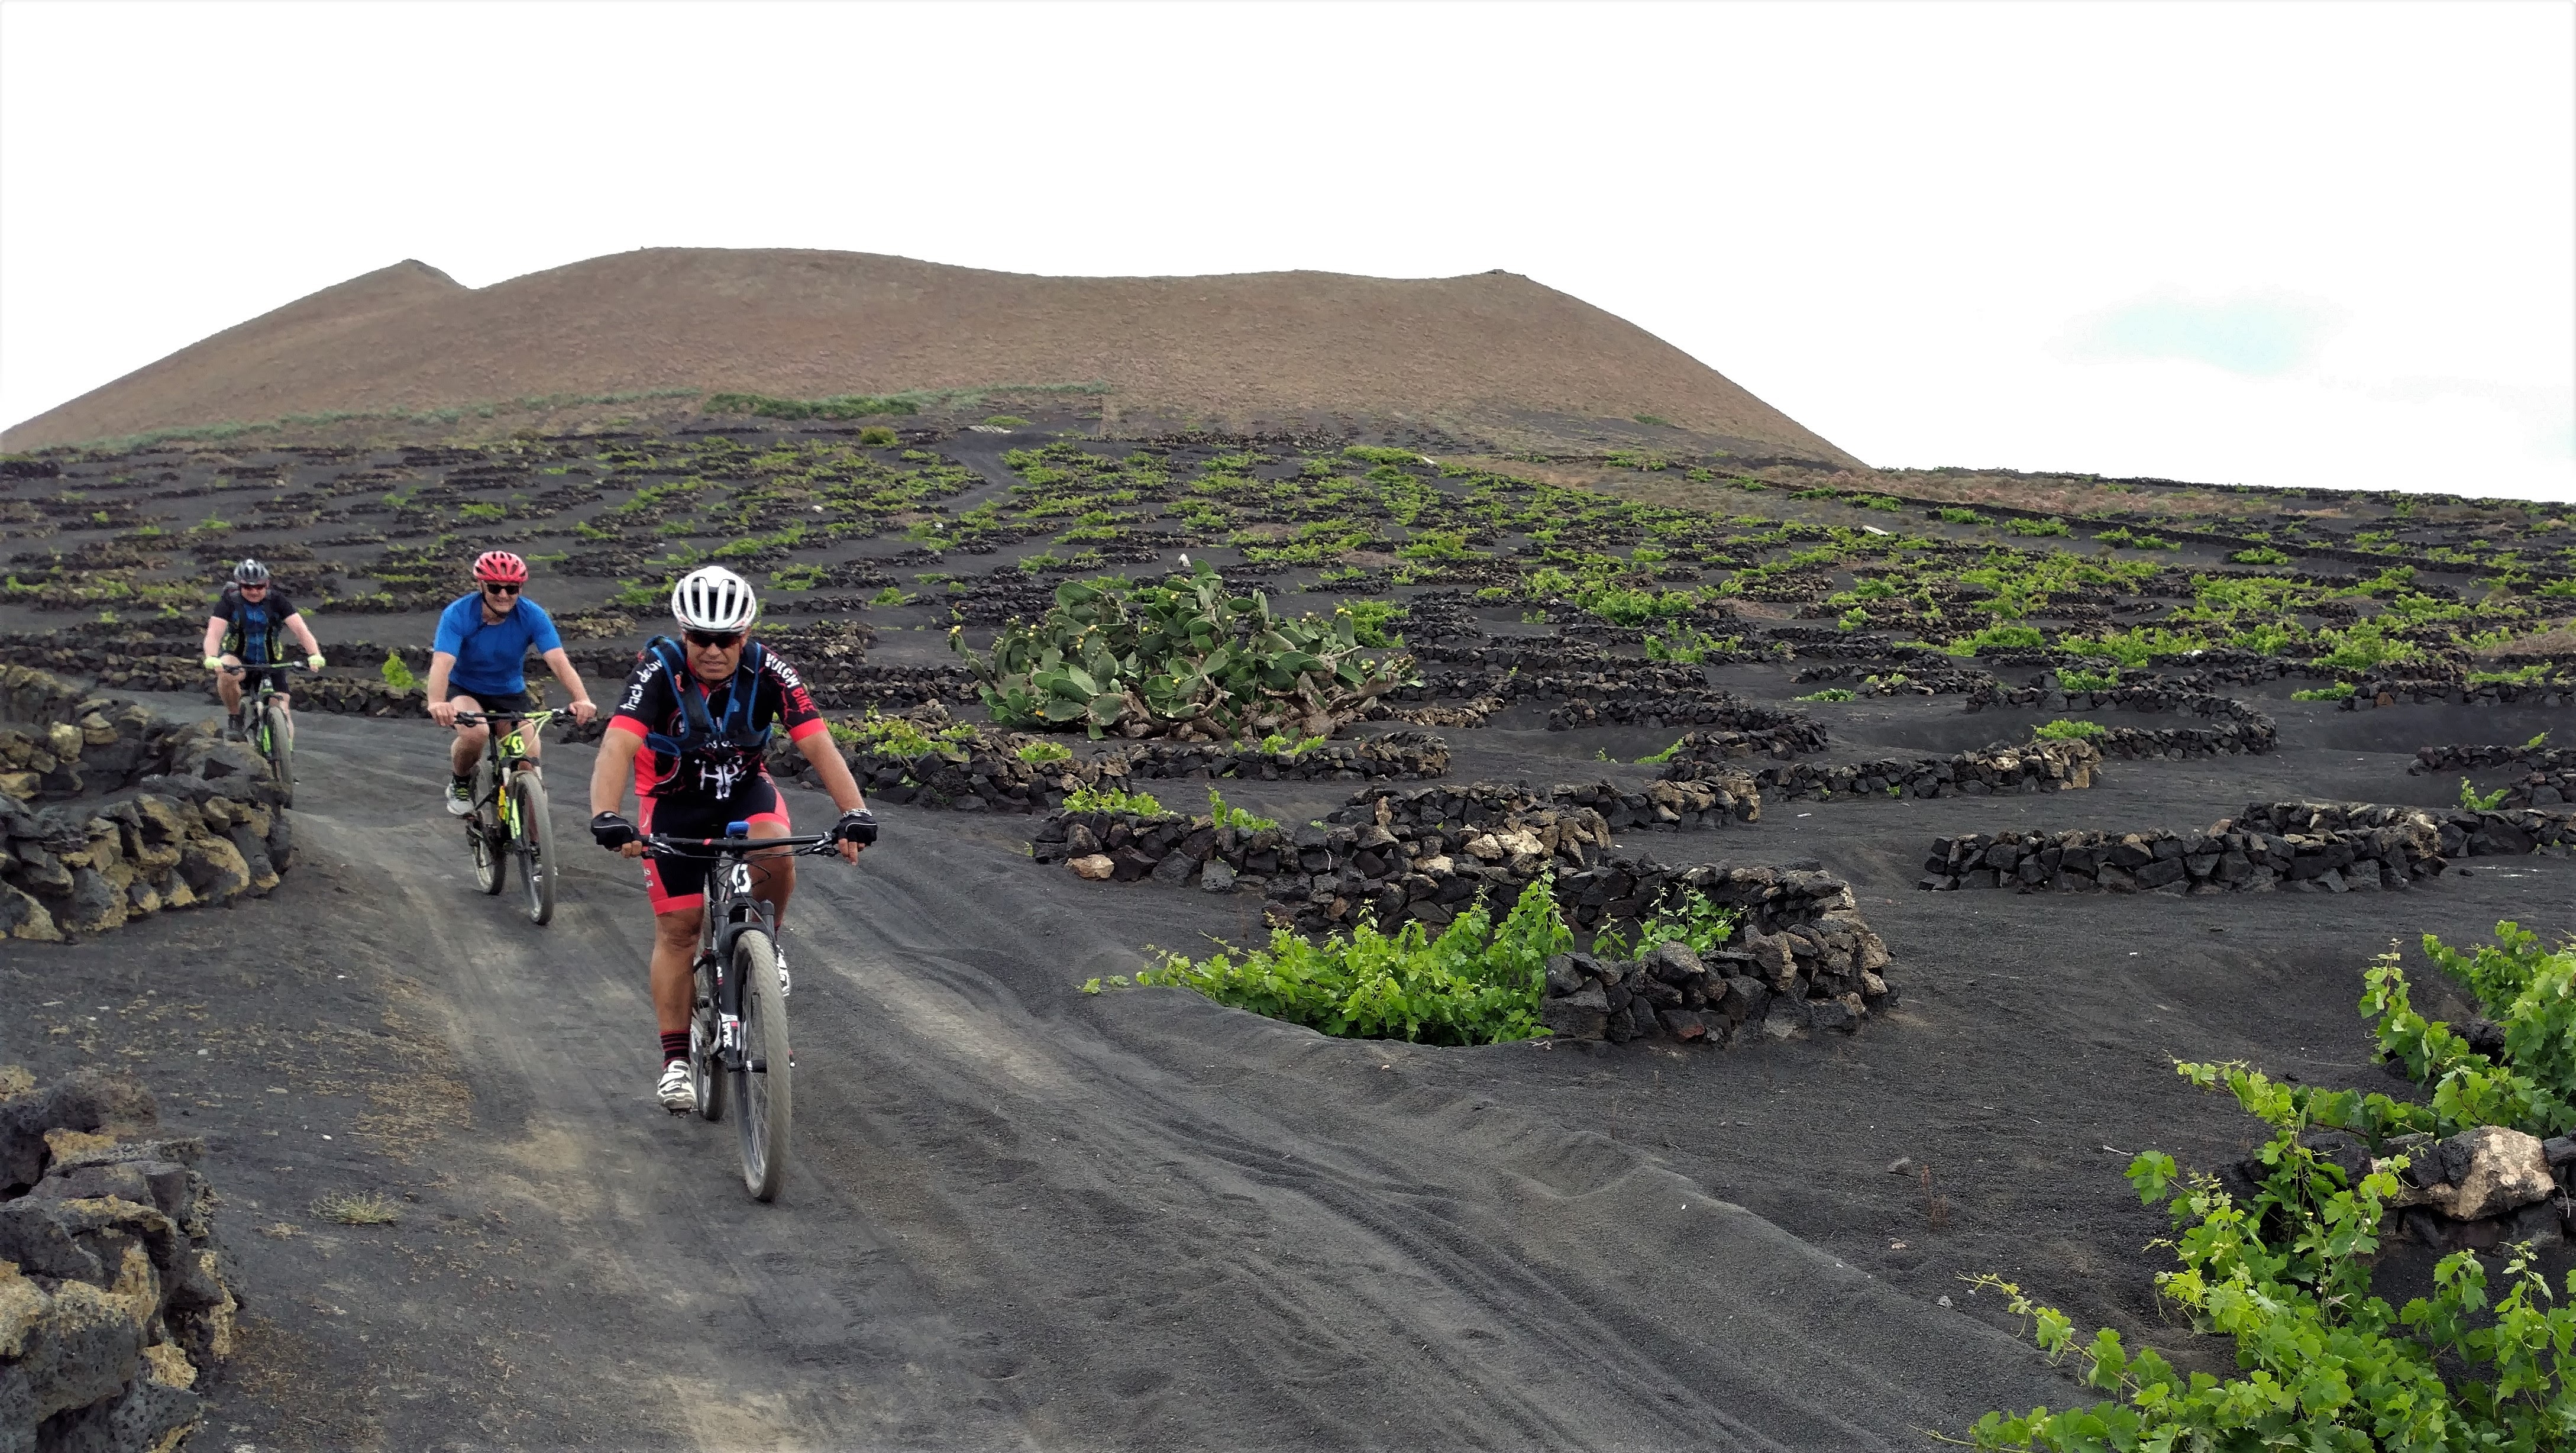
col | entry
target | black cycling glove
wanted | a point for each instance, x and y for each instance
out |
(611, 831)
(858, 825)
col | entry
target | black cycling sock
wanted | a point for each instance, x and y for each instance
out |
(675, 1045)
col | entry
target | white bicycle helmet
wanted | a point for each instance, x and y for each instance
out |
(713, 599)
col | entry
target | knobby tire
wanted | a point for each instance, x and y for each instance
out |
(281, 754)
(482, 826)
(706, 1074)
(767, 1094)
(535, 846)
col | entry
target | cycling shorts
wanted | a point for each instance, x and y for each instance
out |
(498, 700)
(252, 676)
(679, 884)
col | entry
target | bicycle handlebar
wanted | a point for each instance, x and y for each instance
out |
(806, 845)
(271, 666)
(540, 716)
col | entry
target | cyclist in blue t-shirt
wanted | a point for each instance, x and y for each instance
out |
(480, 655)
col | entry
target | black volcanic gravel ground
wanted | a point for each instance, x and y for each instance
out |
(1021, 1215)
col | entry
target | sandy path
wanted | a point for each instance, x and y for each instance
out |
(1020, 1215)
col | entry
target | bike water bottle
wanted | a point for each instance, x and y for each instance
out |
(737, 829)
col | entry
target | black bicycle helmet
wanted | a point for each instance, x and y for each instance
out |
(250, 572)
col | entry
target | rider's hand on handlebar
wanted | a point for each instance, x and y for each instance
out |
(856, 829)
(583, 710)
(214, 663)
(313, 662)
(613, 832)
(443, 713)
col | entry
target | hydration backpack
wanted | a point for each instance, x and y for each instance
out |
(697, 733)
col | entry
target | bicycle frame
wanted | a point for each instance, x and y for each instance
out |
(507, 752)
(731, 910)
(252, 713)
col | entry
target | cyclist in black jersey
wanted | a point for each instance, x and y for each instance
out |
(690, 733)
(245, 640)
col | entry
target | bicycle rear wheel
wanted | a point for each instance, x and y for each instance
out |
(765, 1082)
(706, 1072)
(281, 753)
(535, 846)
(482, 826)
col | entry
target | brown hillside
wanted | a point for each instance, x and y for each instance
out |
(1494, 352)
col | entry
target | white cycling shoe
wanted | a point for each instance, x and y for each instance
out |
(675, 1092)
(460, 797)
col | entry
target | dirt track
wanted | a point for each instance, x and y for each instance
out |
(1025, 1216)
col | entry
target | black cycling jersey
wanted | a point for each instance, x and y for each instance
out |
(256, 629)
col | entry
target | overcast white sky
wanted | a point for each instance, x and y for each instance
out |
(2306, 244)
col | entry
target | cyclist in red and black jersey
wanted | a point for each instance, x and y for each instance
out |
(690, 733)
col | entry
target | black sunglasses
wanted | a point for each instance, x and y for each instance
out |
(725, 639)
(491, 587)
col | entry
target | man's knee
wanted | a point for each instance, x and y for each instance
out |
(678, 928)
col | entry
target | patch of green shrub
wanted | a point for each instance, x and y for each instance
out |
(897, 736)
(1094, 799)
(1476, 983)
(1690, 646)
(1830, 693)
(1240, 819)
(878, 436)
(1693, 922)
(396, 674)
(2323, 1363)
(1006, 421)
(2476, 801)
(2260, 555)
(2337, 692)
(2019, 526)
(1955, 515)
(2076, 679)
(1186, 658)
(2068, 729)
(1998, 637)
(1039, 753)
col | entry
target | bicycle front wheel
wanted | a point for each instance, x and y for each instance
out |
(535, 846)
(706, 1069)
(483, 828)
(765, 1083)
(281, 754)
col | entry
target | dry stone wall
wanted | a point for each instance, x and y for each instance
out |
(1824, 973)
(2039, 765)
(2462, 757)
(2369, 694)
(116, 1297)
(2221, 861)
(2462, 832)
(1701, 803)
(193, 820)
(2480, 1190)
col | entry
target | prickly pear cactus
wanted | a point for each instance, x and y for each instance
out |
(1185, 660)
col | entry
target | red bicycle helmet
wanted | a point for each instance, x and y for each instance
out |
(501, 566)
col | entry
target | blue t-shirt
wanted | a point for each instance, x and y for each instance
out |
(490, 658)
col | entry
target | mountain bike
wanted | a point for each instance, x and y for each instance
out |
(265, 725)
(738, 1016)
(509, 819)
